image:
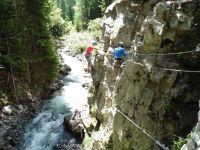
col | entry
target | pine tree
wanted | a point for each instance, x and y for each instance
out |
(41, 49)
(104, 4)
(81, 15)
(67, 7)
(29, 55)
(86, 10)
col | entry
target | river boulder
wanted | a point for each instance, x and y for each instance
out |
(7, 110)
(75, 125)
(65, 69)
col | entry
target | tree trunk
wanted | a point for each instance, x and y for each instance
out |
(11, 69)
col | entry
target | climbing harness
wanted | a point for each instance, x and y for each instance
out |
(156, 141)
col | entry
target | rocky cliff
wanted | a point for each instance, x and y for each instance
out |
(155, 89)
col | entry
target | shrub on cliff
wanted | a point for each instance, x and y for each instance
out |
(94, 27)
(78, 41)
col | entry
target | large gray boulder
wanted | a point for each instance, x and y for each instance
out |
(65, 69)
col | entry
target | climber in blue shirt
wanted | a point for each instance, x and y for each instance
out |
(120, 52)
(119, 55)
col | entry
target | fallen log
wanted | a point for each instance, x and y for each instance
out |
(75, 125)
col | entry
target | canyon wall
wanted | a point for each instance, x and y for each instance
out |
(151, 89)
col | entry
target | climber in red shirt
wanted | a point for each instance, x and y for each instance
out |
(88, 54)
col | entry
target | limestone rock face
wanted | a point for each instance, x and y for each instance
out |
(156, 98)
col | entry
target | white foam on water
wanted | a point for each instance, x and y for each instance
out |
(40, 133)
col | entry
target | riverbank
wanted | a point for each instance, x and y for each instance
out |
(14, 118)
(12, 125)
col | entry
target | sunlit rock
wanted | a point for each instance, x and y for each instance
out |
(153, 96)
(7, 110)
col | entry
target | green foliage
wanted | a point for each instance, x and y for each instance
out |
(57, 23)
(94, 26)
(80, 12)
(87, 143)
(88, 10)
(69, 26)
(180, 142)
(81, 15)
(168, 108)
(3, 98)
(26, 42)
(104, 4)
(78, 41)
(61, 28)
(94, 10)
(58, 29)
(67, 7)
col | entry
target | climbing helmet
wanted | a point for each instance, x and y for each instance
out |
(121, 44)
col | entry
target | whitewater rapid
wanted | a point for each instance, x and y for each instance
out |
(45, 130)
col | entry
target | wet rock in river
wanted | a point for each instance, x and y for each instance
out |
(74, 126)
(7, 110)
(65, 69)
(68, 145)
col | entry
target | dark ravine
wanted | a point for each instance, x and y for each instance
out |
(13, 125)
(20, 121)
(44, 132)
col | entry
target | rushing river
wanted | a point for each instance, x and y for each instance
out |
(43, 133)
